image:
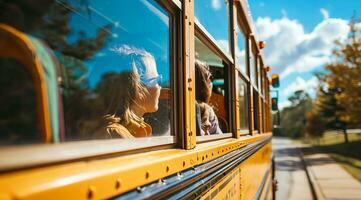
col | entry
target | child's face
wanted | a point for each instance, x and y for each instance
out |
(206, 124)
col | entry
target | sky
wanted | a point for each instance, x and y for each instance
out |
(130, 39)
(300, 37)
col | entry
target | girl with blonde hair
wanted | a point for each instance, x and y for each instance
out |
(128, 96)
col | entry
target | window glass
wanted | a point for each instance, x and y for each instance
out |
(211, 91)
(240, 51)
(213, 15)
(243, 103)
(252, 63)
(259, 74)
(112, 70)
(264, 79)
(255, 110)
(263, 117)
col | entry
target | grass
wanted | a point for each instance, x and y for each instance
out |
(334, 138)
(348, 155)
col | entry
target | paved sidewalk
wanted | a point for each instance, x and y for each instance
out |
(330, 180)
(290, 172)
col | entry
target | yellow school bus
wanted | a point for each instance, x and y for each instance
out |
(103, 100)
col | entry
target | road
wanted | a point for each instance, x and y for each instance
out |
(290, 173)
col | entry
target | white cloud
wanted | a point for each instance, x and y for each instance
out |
(309, 86)
(290, 49)
(283, 104)
(325, 13)
(128, 50)
(216, 4)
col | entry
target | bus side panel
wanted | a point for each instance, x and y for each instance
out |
(252, 179)
(253, 171)
(227, 188)
(267, 190)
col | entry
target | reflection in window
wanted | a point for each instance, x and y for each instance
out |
(240, 51)
(211, 87)
(18, 117)
(113, 69)
(263, 117)
(243, 103)
(252, 63)
(259, 79)
(264, 79)
(213, 15)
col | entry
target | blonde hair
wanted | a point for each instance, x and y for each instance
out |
(121, 94)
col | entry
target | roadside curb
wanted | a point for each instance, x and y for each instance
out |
(315, 188)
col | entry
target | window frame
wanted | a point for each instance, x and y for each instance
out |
(243, 22)
(208, 40)
(227, 84)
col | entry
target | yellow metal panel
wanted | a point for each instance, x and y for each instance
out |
(253, 171)
(189, 76)
(104, 178)
(227, 188)
(238, 118)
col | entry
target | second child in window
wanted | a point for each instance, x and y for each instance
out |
(209, 124)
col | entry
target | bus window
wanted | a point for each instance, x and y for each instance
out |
(211, 89)
(261, 80)
(252, 63)
(113, 69)
(213, 15)
(240, 51)
(243, 105)
(256, 111)
(259, 77)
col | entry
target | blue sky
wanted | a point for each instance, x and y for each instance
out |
(131, 33)
(300, 37)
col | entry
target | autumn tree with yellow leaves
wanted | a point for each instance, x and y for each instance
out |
(339, 96)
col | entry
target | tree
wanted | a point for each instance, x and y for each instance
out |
(328, 108)
(293, 118)
(315, 125)
(342, 83)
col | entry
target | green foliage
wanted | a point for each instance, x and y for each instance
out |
(315, 125)
(327, 106)
(293, 118)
